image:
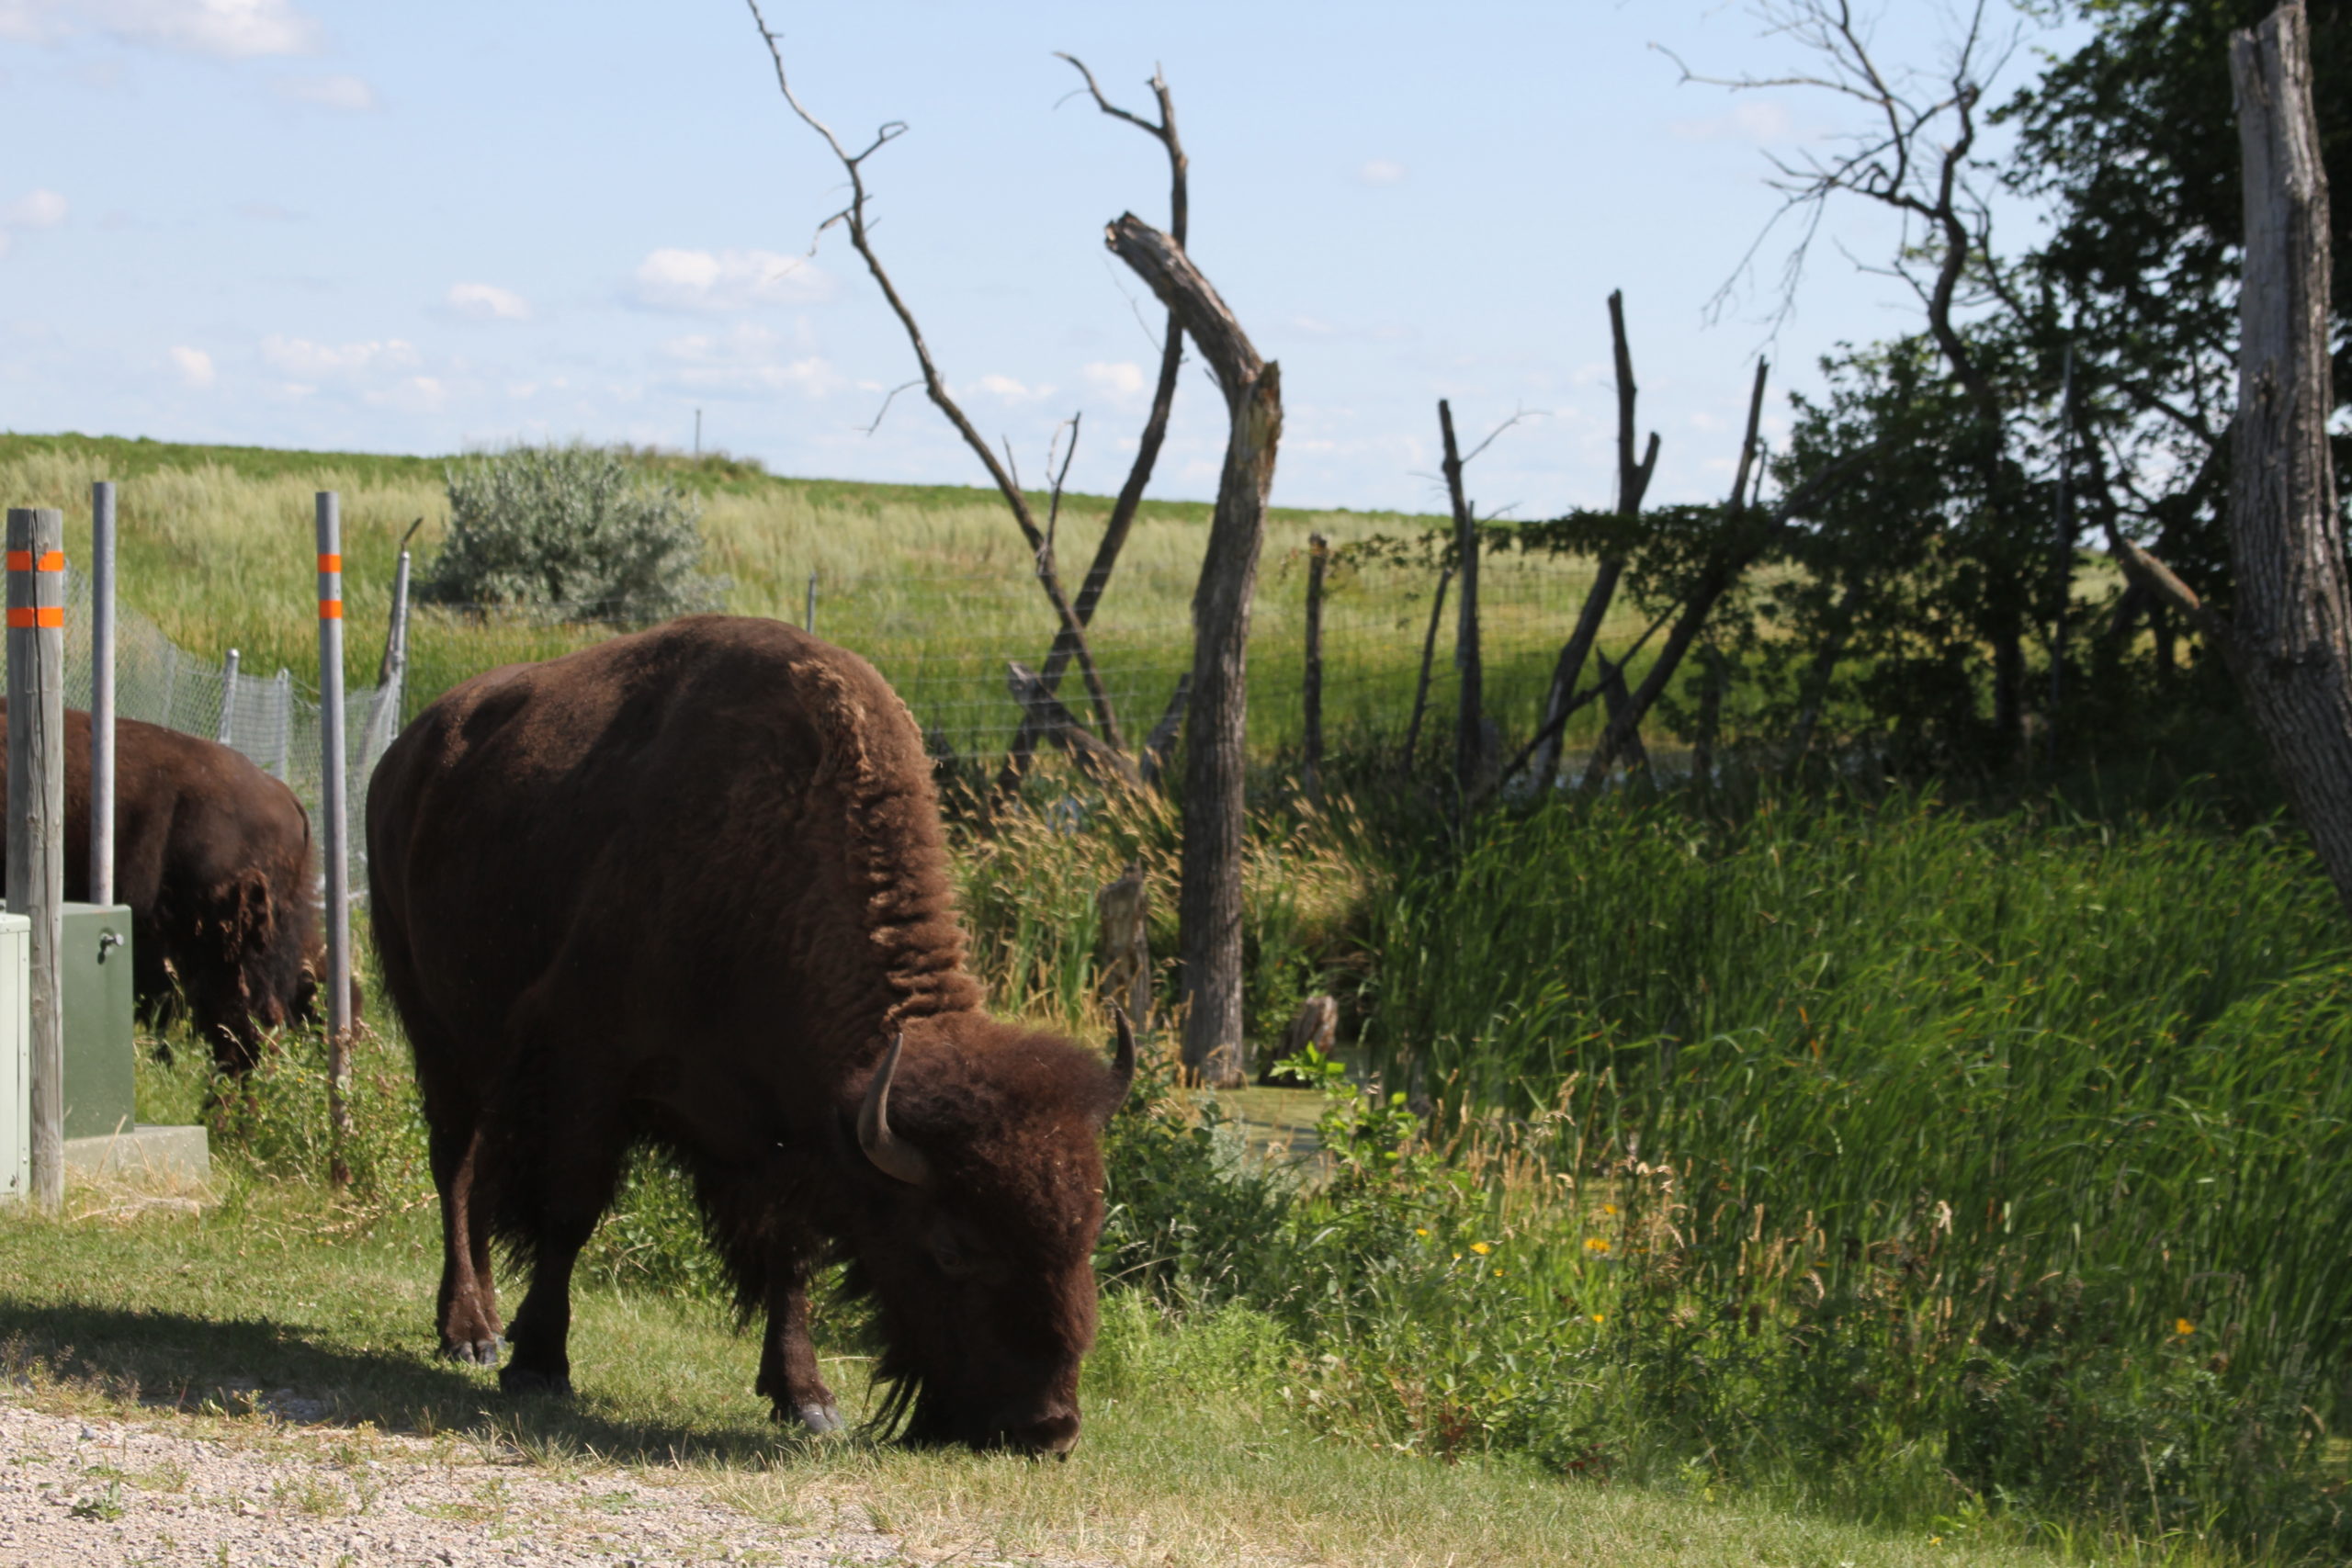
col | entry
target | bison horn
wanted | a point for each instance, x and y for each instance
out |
(1122, 1064)
(891, 1154)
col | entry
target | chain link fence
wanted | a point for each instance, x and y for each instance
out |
(269, 718)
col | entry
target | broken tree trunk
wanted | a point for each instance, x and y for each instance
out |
(2290, 647)
(1470, 711)
(1209, 903)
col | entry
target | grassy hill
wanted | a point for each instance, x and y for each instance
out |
(931, 582)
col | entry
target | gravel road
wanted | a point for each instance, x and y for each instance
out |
(76, 1491)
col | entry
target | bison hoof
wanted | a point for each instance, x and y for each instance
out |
(525, 1381)
(474, 1352)
(822, 1420)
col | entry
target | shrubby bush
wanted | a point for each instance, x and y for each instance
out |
(577, 531)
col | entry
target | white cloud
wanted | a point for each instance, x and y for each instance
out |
(314, 361)
(488, 303)
(1121, 379)
(748, 359)
(1011, 391)
(195, 365)
(224, 29)
(38, 209)
(413, 394)
(352, 95)
(1381, 172)
(727, 281)
(1761, 120)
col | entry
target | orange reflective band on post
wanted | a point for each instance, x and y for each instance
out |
(330, 563)
(22, 560)
(54, 561)
(330, 609)
(26, 615)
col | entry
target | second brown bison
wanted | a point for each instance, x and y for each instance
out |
(213, 857)
(689, 888)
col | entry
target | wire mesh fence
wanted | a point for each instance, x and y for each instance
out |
(270, 718)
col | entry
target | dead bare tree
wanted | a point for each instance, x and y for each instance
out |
(1470, 717)
(1738, 549)
(1209, 908)
(853, 220)
(1155, 427)
(2288, 644)
(1633, 483)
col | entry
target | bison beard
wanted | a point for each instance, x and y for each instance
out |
(688, 889)
(213, 857)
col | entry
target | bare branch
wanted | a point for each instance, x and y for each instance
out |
(853, 220)
(887, 399)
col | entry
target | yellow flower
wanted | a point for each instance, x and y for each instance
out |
(1480, 1247)
(1609, 1208)
(1498, 1273)
(1598, 1244)
(1420, 1230)
(1598, 1317)
(2183, 1327)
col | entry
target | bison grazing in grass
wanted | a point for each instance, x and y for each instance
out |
(213, 857)
(689, 888)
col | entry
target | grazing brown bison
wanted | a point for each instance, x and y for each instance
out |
(213, 856)
(689, 887)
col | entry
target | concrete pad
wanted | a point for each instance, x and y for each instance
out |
(174, 1156)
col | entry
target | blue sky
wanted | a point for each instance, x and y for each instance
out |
(433, 226)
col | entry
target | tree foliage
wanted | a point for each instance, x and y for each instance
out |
(576, 531)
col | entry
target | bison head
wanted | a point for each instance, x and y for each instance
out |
(983, 1197)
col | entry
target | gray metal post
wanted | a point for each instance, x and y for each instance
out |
(337, 838)
(36, 812)
(283, 699)
(810, 624)
(102, 693)
(228, 697)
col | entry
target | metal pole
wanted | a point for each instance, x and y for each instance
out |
(36, 812)
(338, 824)
(809, 624)
(283, 699)
(102, 693)
(228, 697)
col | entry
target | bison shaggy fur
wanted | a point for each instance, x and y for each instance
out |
(689, 888)
(213, 857)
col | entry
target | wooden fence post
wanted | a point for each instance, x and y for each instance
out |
(37, 813)
(1319, 555)
(102, 693)
(809, 621)
(336, 982)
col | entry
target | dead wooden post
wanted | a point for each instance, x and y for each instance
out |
(1469, 727)
(1123, 911)
(1318, 553)
(1216, 732)
(228, 698)
(1711, 714)
(1633, 483)
(102, 693)
(391, 672)
(1428, 656)
(808, 619)
(336, 837)
(37, 813)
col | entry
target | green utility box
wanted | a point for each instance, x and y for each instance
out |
(93, 976)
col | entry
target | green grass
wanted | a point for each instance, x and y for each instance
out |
(931, 582)
(177, 1318)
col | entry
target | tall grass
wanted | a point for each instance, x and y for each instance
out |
(934, 583)
(2016, 1152)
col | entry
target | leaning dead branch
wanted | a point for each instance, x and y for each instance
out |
(853, 220)
(1210, 912)
(1163, 401)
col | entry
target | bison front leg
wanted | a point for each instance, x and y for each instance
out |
(468, 1308)
(788, 1374)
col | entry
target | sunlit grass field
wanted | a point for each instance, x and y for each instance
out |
(934, 583)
